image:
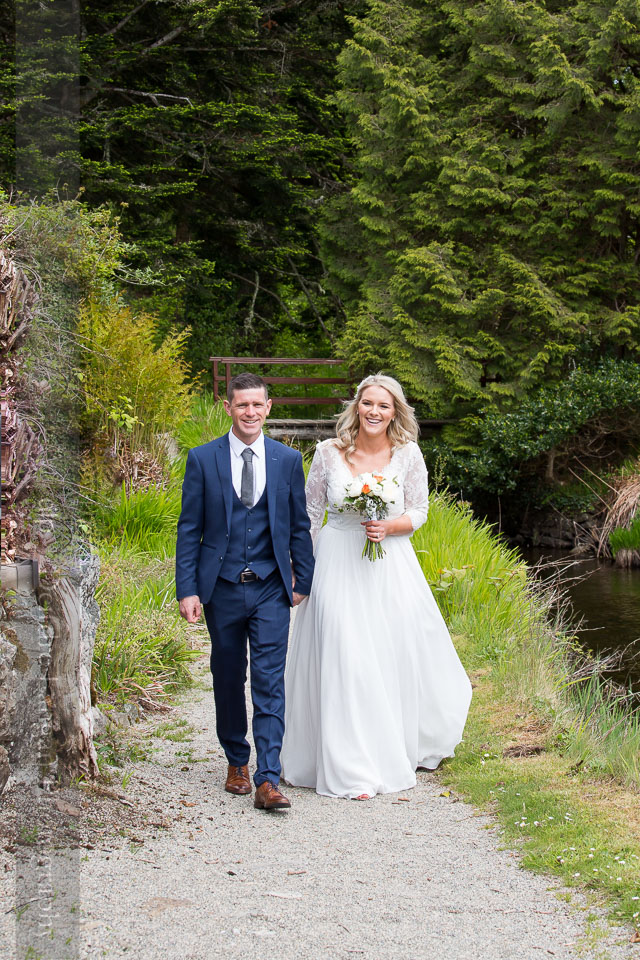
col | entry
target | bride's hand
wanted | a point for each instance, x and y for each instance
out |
(376, 530)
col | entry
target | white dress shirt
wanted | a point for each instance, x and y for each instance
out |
(259, 467)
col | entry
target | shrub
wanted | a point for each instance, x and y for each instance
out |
(134, 386)
(78, 246)
(592, 409)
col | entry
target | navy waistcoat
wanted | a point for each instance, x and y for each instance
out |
(250, 543)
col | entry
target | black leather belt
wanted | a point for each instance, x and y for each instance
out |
(248, 576)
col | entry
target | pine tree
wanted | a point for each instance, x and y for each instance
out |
(491, 236)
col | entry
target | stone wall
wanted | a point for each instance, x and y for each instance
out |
(26, 740)
(552, 529)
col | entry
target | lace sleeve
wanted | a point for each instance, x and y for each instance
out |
(416, 487)
(316, 491)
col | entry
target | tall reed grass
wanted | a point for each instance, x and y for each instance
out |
(207, 420)
(143, 521)
(625, 538)
(142, 649)
(480, 585)
(500, 615)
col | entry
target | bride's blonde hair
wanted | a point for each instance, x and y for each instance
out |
(402, 429)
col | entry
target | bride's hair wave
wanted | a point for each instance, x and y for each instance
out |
(402, 429)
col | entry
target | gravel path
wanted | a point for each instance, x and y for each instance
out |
(414, 875)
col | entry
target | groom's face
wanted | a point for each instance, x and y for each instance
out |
(248, 410)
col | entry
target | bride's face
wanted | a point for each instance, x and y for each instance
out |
(376, 410)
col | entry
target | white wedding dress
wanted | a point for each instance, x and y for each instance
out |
(374, 686)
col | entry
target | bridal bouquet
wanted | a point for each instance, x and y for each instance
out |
(370, 495)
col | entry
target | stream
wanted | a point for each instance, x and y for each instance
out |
(606, 600)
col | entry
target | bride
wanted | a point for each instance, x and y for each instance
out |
(374, 687)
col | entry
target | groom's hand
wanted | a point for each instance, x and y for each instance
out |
(297, 597)
(190, 609)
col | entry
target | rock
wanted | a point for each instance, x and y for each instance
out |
(68, 808)
(118, 718)
(133, 712)
(558, 532)
(99, 722)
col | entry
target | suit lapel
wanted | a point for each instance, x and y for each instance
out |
(223, 463)
(272, 465)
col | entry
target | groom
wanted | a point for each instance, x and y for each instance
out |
(244, 557)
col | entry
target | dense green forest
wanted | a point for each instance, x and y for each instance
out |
(207, 129)
(446, 190)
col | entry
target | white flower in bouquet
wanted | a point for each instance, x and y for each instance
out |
(354, 489)
(387, 489)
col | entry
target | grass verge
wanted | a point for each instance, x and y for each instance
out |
(581, 829)
(546, 748)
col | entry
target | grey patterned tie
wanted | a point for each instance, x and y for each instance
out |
(246, 484)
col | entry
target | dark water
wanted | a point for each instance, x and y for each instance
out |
(607, 601)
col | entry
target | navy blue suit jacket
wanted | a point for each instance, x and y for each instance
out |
(205, 519)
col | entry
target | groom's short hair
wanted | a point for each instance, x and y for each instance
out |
(246, 381)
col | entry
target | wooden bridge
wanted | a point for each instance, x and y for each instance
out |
(297, 427)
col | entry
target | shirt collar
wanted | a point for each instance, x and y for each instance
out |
(237, 446)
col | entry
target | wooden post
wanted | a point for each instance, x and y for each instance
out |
(216, 395)
(228, 379)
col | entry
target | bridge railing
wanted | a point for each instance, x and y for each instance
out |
(299, 428)
(222, 373)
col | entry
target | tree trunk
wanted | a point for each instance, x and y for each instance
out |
(73, 616)
(548, 473)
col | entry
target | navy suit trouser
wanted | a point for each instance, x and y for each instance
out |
(258, 611)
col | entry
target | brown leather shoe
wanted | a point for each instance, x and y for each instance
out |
(269, 797)
(238, 780)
